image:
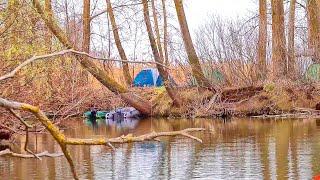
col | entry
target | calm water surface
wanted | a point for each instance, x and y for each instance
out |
(238, 149)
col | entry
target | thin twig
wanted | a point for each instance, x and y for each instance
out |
(26, 144)
(43, 154)
(15, 114)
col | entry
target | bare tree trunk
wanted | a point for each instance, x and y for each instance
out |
(67, 25)
(171, 92)
(137, 102)
(192, 55)
(156, 27)
(165, 33)
(125, 66)
(262, 43)
(48, 42)
(313, 8)
(48, 39)
(86, 33)
(279, 58)
(11, 15)
(291, 52)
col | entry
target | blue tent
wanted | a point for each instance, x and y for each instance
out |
(147, 78)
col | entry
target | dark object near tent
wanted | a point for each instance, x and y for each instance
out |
(313, 72)
(212, 74)
(4, 134)
(318, 107)
(147, 78)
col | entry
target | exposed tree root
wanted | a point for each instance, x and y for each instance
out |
(238, 94)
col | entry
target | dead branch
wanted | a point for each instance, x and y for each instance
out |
(70, 51)
(305, 53)
(54, 131)
(26, 144)
(8, 128)
(115, 7)
(27, 126)
(63, 141)
(130, 138)
(15, 114)
(7, 152)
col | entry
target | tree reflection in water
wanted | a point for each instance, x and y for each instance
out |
(236, 149)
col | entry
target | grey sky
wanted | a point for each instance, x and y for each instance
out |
(198, 10)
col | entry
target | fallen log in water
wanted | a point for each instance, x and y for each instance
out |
(130, 138)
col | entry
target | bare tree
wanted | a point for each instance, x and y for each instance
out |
(86, 33)
(165, 32)
(11, 15)
(171, 92)
(126, 71)
(278, 40)
(262, 42)
(291, 52)
(48, 8)
(157, 30)
(140, 104)
(230, 47)
(314, 28)
(192, 55)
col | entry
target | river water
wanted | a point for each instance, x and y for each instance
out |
(232, 149)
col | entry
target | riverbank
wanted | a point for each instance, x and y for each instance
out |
(267, 100)
(282, 99)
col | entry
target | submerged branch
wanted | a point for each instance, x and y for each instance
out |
(70, 51)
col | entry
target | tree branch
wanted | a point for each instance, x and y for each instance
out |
(70, 51)
(130, 138)
(45, 153)
(115, 7)
(15, 114)
(63, 141)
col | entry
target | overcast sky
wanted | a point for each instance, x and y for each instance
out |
(197, 10)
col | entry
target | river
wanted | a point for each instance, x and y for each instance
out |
(231, 149)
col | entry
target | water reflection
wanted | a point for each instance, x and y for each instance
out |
(233, 149)
(127, 123)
